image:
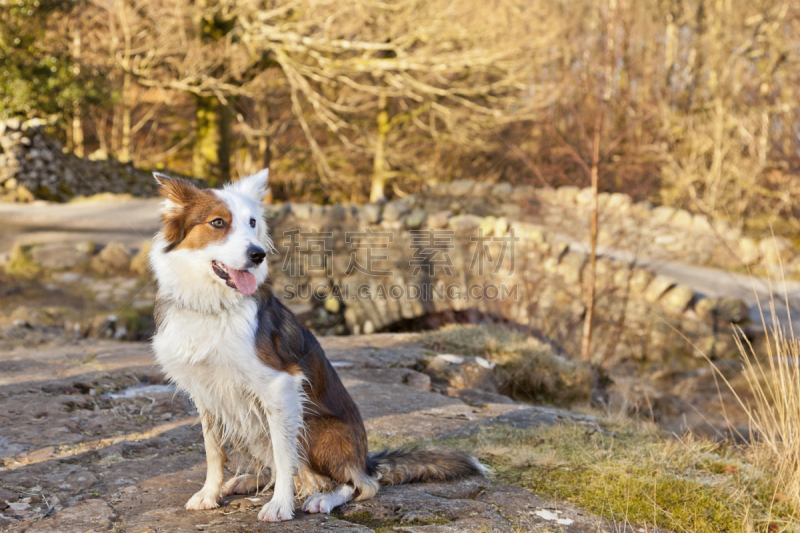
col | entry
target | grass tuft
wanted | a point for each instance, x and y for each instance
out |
(773, 407)
(531, 370)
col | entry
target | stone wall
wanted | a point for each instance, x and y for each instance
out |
(658, 232)
(324, 271)
(640, 315)
(34, 166)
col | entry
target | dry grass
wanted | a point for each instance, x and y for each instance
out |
(531, 369)
(774, 408)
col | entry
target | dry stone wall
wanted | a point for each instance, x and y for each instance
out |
(33, 166)
(375, 273)
(658, 232)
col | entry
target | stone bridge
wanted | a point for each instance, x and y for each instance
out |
(384, 267)
(469, 251)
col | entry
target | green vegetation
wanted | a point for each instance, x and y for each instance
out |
(635, 474)
(533, 371)
(39, 72)
(20, 263)
(623, 470)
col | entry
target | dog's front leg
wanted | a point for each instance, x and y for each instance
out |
(285, 418)
(208, 497)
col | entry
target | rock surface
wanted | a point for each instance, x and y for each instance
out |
(59, 256)
(94, 443)
(464, 372)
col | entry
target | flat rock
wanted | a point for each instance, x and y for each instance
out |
(409, 507)
(477, 397)
(530, 512)
(131, 459)
(59, 256)
(88, 516)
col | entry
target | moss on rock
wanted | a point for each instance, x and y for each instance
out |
(20, 263)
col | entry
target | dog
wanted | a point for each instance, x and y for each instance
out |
(259, 379)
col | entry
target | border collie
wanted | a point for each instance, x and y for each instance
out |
(260, 380)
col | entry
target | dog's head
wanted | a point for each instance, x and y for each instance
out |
(213, 243)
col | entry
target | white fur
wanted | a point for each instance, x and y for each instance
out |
(254, 187)
(186, 275)
(327, 501)
(206, 345)
(247, 483)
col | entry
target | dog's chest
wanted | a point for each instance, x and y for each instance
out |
(212, 357)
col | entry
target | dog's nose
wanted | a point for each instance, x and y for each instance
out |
(256, 254)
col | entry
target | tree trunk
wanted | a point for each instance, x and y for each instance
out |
(225, 141)
(264, 142)
(379, 163)
(125, 151)
(264, 148)
(588, 322)
(115, 120)
(77, 125)
(212, 145)
(77, 129)
(671, 42)
(206, 140)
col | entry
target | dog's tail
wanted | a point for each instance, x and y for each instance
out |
(407, 465)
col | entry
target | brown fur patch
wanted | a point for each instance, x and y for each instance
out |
(333, 448)
(187, 225)
(409, 465)
(335, 439)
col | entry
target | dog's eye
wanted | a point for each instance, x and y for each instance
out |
(218, 223)
(252, 223)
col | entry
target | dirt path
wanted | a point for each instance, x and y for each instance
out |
(130, 221)
(93, 440)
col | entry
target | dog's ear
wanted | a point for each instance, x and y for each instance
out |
(178, 192)
(254, 186)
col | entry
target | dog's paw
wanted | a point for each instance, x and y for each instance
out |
(240, 485)
(276, 511)
(204, 499)
(321, 503)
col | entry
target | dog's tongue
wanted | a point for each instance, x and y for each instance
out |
(244, 281)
